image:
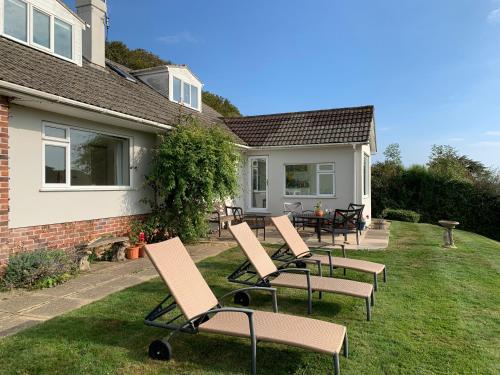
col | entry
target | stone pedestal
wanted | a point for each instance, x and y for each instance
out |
(448, 233)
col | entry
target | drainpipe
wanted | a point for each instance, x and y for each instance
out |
(355, 174)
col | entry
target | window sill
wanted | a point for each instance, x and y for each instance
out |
(87, 188)
(311, 196)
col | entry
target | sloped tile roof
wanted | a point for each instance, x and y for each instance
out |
(101, 87)
(340, 125)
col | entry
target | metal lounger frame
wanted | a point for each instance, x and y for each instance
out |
(284, 254)
(191, 326)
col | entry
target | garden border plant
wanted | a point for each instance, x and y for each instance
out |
(38, 269)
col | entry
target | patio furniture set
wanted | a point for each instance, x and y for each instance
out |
(204, 312)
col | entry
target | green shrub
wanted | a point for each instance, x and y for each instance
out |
(39, 269)
(401, 215)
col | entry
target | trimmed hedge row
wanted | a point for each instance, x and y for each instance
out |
(401, 215)
(436, 198)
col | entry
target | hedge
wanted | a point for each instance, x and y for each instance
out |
(401, 215)
(438, 198)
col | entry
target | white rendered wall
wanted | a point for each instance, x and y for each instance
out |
(30, 206)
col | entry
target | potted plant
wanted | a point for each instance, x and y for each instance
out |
(362, 223)
(142, 243)
(318, 211)
(133, 250)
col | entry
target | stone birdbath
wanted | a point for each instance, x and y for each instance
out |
(448, 233)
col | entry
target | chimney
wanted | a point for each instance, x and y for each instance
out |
(93, 12)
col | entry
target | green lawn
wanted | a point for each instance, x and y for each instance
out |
(438, 314)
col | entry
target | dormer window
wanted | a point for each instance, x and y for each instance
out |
(16, 19)
(34, 24)
(63, 39)
(185, 93)
(41, 28)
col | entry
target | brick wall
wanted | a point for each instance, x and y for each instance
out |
(65, 235)
(4, 177)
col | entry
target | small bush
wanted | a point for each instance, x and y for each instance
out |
(38, 269)
(401, 215)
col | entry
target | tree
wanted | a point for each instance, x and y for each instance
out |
(220, 104)
(133, 59)
(193, 166)
(445, 161)
(141, 59)
(392, 154)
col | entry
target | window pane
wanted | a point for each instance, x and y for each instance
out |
(41, 28)
(16, 19)
(300, 179)
(51, 131)
(63, 44)
(366, 171)
(177, 90)
(325, 167)
(187, 93)
(55, 164)
(326, 184)
(98, 159)
(194, 96)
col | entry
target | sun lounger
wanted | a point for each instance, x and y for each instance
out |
(259, 270)
(203, 312)
(296, 248)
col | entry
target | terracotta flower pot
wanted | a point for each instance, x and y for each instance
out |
(133, 252)
(319, 212)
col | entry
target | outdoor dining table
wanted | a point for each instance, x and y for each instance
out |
(312, 216)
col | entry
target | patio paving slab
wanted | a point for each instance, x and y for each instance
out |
(22, 309)
(55, 307)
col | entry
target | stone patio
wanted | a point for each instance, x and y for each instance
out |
(23, 309)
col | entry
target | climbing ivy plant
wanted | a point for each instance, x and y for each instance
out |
(193, 166)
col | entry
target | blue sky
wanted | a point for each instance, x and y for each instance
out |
(430, 67)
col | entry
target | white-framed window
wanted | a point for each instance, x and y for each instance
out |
(312, 179)
(185, 93)
(41, 25)
(32, 26)
(15, 22)
(63, 39)
(366, 174)
(83, 158)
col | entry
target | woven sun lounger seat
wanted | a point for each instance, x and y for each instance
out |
(306, 333)
(324, 284)
(201, 311)
(294, 278)
(298, 249)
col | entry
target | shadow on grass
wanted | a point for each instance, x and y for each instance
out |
(207, 352)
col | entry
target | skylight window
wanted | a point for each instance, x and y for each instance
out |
(121, 72)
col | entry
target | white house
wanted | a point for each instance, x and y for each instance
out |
(76, 131)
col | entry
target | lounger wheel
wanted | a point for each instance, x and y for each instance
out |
(300, 264)
(160, 350)
(242, 298)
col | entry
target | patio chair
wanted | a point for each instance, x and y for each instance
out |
(221, 217)
(259, 270)
(203, 312)
(359, 216)
(254, 222)
(342, 223)
(296, 248)
(290, 208)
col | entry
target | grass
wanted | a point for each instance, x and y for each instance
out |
(438, 314)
